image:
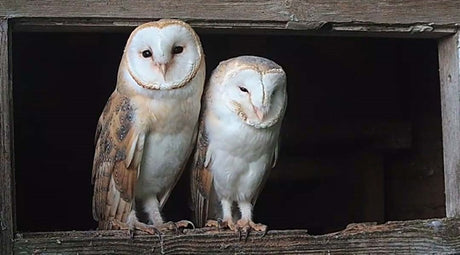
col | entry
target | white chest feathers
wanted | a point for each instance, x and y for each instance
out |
(240, 156)
(170, 135)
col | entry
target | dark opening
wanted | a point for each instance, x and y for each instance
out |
(361, 139)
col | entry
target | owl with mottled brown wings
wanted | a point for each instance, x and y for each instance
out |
(148, 127)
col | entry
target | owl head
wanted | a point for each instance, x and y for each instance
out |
(253, 88)
(162, 55)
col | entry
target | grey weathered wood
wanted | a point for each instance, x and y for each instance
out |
(449, 71)
(6, 174)
(374, 11)
(419, 19)
(438, 236)
(427, 18)
(240, 26)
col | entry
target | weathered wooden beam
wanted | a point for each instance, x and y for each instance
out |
(296, 12)
(449, 72)
(376, 11)
(418, 30)
(415, 237)
(6, 139)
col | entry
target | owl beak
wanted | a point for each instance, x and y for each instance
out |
(163, 69)
(259, 113)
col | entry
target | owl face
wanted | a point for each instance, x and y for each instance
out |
(257, 95)
(163, 55)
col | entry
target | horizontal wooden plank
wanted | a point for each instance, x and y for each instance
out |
(418, 30)
(376, 11)
(415, 237)
(436, 12)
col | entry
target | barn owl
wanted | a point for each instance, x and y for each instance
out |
(243, 108)
(148, 127)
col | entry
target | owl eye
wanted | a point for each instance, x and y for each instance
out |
(243, 89)
(177, 49)
(146, 53)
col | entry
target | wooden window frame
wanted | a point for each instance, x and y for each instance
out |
(386, 18)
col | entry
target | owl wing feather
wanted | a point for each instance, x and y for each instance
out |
(118, 153)
(202, 178)
(266, 174)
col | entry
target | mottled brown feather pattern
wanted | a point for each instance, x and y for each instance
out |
(114, 170)
(201, 183)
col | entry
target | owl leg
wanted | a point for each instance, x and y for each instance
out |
(227, 214)
(152, 208)
(245, 224)
(227, 219)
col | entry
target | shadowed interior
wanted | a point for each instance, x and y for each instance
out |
(361, 139)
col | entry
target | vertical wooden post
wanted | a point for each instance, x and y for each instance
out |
(6, 140)
(449, 72)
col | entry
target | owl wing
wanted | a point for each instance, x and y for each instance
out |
(274, 159)
(201, 184)
(118, 153)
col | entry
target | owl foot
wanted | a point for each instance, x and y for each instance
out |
(175, 226)
(220, 224)
(136, 225)
(243, 227)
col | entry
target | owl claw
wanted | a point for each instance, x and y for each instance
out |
(243, 233)
(221, 224)
(175, 226)
(136, 225)
(243, 227)
(185, 224)
(212, 223)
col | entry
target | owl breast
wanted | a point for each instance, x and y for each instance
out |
(170, 127)
(240, 157)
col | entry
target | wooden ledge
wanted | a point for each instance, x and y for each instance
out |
(415, 236)
(287, 27)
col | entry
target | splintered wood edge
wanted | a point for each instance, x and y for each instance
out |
(415, 236)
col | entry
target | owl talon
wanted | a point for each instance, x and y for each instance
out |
(212, 223)
(184, 224)
(221, 224)
(243, 234)
(175, 226)
(258, 227)
(168, 226)
(243, 227)
(124, 226)
(136, 225)
(263, 233)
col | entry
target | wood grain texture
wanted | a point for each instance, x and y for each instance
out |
(241, 26)
(6, 124)
(449, 63)
(375, 11)
(288, 12)
(414, 237)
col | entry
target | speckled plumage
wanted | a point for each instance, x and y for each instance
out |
(148, 127)
(244, 104)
